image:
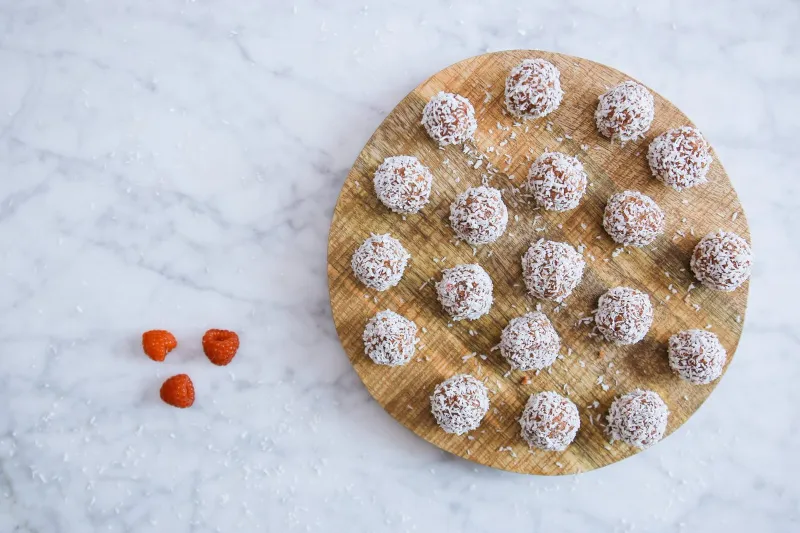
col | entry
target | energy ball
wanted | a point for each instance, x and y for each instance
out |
(403, 184)
(465, 292)
(533, 89)
(625, 112)
(697, 356)
(722, 261)
(478, 215)
(390, 338)
(380, 261)
(556, 181)
(631, 218)
(624, 315)
(639, 418)
(549, 422)
(530, 342)
(552, 270)
(680, 158)
(449, 119)
(459, 404)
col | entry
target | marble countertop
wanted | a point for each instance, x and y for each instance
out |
(175, 164)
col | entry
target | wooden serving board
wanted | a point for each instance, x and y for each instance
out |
(404, 391)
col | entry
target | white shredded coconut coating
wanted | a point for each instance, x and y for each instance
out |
(460, 403)
(390, 338)
(449, 119)
(722, 260)
(465, 292)
(556, 181)
(549, 422)
(478, 215)
(552, 270)
(631, 218)
(625, 112)
(624, 315)
(380, 261)
(638, 418)
(533, 89)
(680, 158)
(403, 184)
(530, 342)
(697, 356)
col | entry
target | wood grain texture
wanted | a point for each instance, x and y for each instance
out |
(404, 391)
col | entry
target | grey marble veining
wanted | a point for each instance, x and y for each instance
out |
(175, 164)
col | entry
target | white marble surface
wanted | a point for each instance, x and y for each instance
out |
(175, 164)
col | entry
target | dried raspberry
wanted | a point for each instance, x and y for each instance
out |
(220, 346)
(158, 343)
(178, 391)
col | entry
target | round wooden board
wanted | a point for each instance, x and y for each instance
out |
(404, 391)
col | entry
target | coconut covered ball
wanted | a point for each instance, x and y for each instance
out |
(556, 181)
(549, 422)
(459, 404)
(722, 261)
(390, 338)
(697, 356)
(639, 418)
(530, 342)
(478, 215)
(449, 119)
(680, 158)
(465, 292)
(624, 315)
(625, 112)
(533, 89)
(631, 218)
(403, 184)
(552, 270)
(380, 261)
